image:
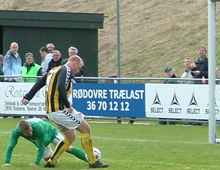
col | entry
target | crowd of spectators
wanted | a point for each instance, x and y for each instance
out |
(193, 70)
(11, 65)
(11, 69)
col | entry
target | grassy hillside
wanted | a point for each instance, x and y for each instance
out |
(154, 34)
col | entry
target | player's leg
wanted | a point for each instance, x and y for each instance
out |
(75, 120)
(77, 152)
(67, 127)
(86, 140)
(61, 147)
(87, 144)
(47, 153)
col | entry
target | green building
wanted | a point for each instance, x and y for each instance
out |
(32, 30)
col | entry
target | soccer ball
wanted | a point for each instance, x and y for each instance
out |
(217, 141)
(97, 153)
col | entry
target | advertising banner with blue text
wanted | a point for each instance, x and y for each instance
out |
(120, 100)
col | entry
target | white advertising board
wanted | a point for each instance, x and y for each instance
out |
(2, 100)
(179, 101)
(13, 94)
(183, 101)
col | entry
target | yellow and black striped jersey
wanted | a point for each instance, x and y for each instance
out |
(58, 88)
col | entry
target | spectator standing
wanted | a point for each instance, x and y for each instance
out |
(30, 68)
(46, 58)
(74, 51)
(1, 68)
(187, 73)
(1, 60)
(200, 70)
(200, 67)
(71, 51)
(56, 60)
(217, 75)
(1, 74)
(50, 47)
(169, 74)
(12, 63)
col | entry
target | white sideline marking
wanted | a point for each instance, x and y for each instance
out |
(6, 132)
(137, 140)
(145, 140)
(185, 166)
(115, 122)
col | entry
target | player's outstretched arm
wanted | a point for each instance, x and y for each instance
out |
(37, 86)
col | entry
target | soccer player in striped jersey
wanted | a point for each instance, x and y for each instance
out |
(59, 110)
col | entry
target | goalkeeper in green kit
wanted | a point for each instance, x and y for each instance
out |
(41, 134)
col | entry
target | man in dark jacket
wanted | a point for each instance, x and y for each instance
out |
(170, 74)
(55, 61)
(74, 51)
(1, 68)
(1, 74)
(200, 67)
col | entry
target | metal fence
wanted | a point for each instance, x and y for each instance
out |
(112, 79)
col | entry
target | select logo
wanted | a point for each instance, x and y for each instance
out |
(156, 108)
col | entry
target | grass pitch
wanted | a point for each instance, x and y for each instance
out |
(140, 146)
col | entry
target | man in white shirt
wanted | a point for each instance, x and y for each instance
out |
(46, 58)
(187, 73)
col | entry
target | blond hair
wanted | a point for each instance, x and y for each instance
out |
(204, 47)
(188, 58)
(77, 59)
(57, 51)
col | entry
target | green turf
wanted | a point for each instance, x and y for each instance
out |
(129, 147)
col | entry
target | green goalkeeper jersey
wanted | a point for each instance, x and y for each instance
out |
(43, 135)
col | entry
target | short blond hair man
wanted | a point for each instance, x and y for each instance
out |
(187, 73)
(59, 110)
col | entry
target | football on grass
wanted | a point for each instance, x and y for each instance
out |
(97, 153)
